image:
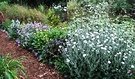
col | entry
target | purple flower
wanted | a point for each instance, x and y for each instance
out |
(45, 27)
(129, 71)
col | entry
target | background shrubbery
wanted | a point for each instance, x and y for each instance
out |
(23, 14)
(36, 2)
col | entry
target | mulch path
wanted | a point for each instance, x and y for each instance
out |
(33, 68)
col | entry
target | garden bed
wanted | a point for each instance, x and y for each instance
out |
(33, 68)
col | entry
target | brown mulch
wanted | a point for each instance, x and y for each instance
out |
(33, 68)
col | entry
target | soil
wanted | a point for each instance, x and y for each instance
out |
(33, 68)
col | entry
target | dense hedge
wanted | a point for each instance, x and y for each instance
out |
(37, 2)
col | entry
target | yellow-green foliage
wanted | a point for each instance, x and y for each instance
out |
(22, 13)
(72, 7)
(53, 19)
(36, 15)
(16, 12)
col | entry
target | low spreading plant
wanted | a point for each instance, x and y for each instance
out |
(10, 68)
(93, 53)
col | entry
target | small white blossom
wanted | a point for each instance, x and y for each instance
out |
(85, 41)
(92, 35)
(60, 46)
(119, 53)
(76, 34)
(67, 60)
(93, 38)
(105, 40)
(109, 62)
(125, 57)
(83, 36)
(104, 48)
(74, 42)
(122, 63)
(130, 52)
(65, 49)
(132, 66)
(87, 36)
(73, 46)
(97, 36)
(84, 55)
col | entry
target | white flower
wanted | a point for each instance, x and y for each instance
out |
(122, 63)
(132, 66)
(74, 42)
(92, 35)
(68, 44)
(67, 60)
(66, 40)
(104, 48)
(65, 9)
(87, 33)
(130, 52)
(97, 36)
(105, 40)
(85, 41)
(125, 57)
(109, 51)
(83, 36)
(110, 47)
(93, 38)
(119, 53)
(76, 34)
(87, 36)
(109, 62)
(65, 49)
(60, 46)
(84, 55)
(73, 46)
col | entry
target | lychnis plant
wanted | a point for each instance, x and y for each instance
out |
(93, 53)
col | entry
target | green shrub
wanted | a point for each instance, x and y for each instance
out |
(35, 15)
(72, 7)
(13, 29)
(53, 19)
(121, 6)
(10, 68)
(46, 44)
(6, 24)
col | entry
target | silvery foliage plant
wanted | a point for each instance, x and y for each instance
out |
(98, 54)
(96, 49)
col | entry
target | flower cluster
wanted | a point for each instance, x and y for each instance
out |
(12, 29)
(25, 32)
